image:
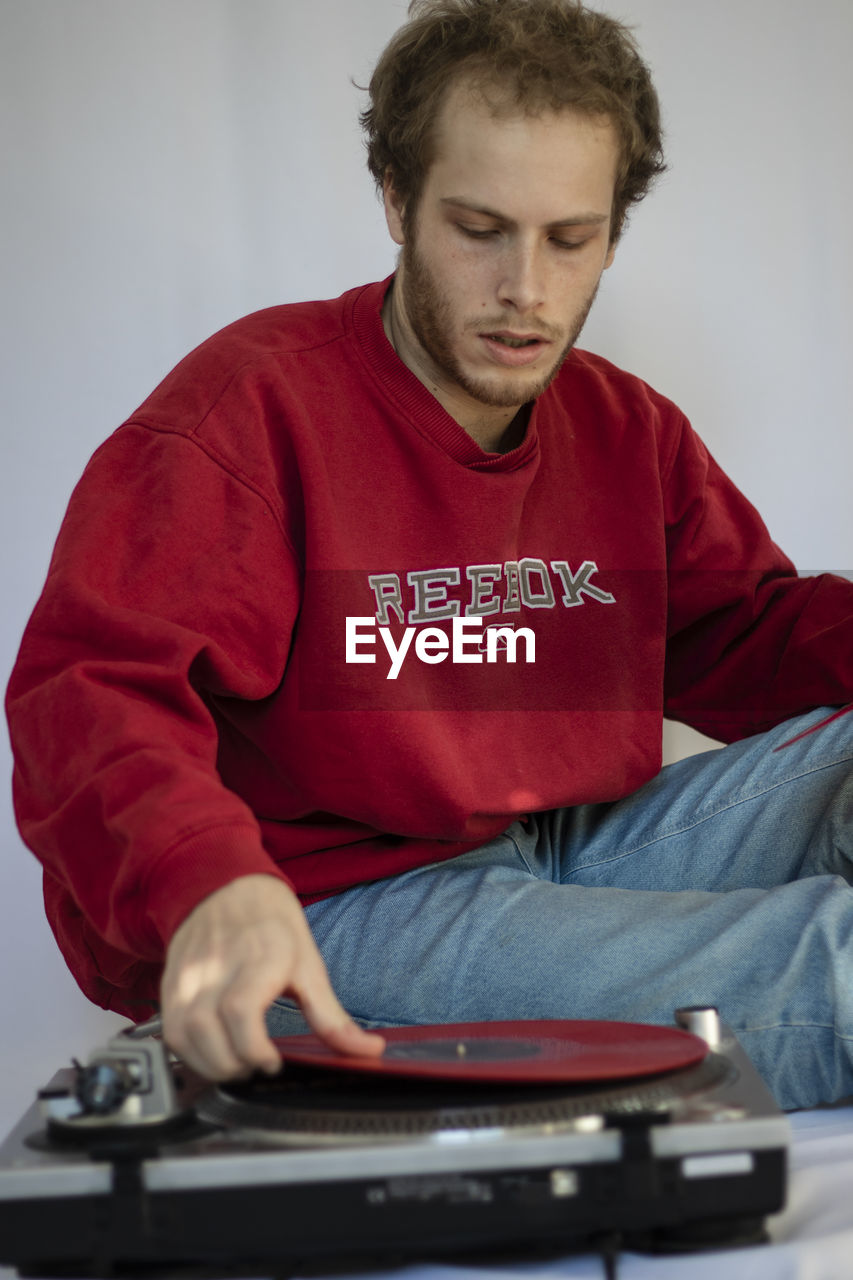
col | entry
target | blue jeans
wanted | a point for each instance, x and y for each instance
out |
(724, 881)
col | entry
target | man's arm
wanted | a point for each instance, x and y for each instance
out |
(241, 947)
(750, 643)
(170, 587)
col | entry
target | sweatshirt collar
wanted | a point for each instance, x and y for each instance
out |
(422, 409)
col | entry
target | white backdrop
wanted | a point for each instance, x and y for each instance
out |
(169, 166)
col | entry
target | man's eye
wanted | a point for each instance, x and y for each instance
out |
(477, 233)
(568, 244)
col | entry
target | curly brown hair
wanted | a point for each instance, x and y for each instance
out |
(538, 55)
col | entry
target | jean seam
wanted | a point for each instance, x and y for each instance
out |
(792, 1025)
(517, 847)
(707, 817)
(762, 1027)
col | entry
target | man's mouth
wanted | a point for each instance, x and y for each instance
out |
(514, 350)
(513, 340)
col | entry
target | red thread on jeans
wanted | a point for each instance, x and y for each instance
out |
(842, 711)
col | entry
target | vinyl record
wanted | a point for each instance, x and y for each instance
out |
(520, 1052)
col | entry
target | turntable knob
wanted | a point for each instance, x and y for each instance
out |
(702, 1021)
(102, 1087)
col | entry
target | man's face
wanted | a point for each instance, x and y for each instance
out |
(503, 256)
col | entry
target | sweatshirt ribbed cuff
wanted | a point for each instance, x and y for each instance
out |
(198, 866)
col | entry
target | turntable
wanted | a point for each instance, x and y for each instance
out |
(463, 1138)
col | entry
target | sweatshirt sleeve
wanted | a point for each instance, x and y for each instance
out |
(172, 585)
(750, 642)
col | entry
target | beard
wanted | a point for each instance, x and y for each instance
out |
(429, 313)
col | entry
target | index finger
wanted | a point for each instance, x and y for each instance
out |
(329, 1020)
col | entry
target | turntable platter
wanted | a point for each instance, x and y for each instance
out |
(514, 1052)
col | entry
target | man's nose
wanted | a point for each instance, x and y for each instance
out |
(522, 280)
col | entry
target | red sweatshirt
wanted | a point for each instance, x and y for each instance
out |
(298, 622)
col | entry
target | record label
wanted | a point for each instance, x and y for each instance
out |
(517, 1052)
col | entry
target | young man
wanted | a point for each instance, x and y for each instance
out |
(360, 632)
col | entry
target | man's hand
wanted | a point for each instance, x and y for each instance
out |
(240, 948)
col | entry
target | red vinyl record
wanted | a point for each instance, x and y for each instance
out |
(514, 1052)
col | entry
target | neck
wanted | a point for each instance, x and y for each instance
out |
(495, 428)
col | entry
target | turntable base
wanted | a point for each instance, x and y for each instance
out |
(132, 1166)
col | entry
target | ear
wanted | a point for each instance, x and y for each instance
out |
(394, 208)
(616, 229)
